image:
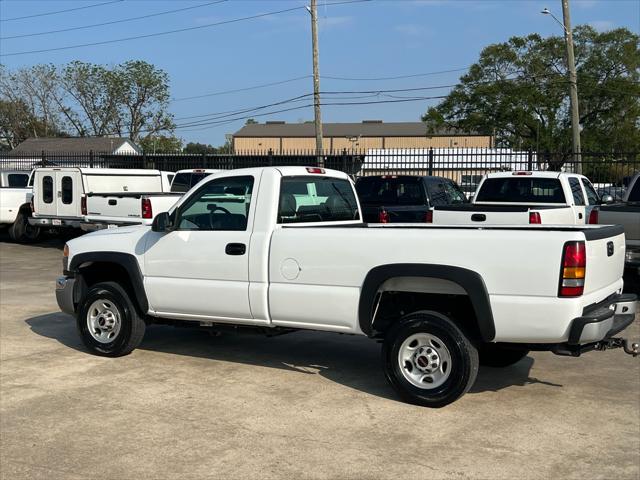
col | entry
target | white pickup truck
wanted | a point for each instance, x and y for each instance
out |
(516, 198)
(85, 197)
(280, 249)
(15, 206)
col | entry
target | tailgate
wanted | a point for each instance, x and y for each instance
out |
(605, 258)
(113, 207)
(478, 215)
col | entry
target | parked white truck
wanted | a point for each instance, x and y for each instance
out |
(96, 197)
(15, 206)
(280, 249)
(515, 198)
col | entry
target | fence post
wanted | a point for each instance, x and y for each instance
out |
(430, 161)
(43, 159)
(530, 160)
(270, 157)
(204, 160)
(91, 158)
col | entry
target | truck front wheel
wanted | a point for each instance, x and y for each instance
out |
(108, 322)
(428, 360)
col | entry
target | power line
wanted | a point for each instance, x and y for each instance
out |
(414, 75)
(168, 32)
(83, 27)
(60, 11)
(255, 87)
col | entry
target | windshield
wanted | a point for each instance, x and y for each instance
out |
(521, 190)
(183, 182)
(382, 191)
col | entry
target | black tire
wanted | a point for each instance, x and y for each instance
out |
(20, 231)
(497, 356)
(462, 370)
(131, 326)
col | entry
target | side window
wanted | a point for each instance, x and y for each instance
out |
(67, 190)
(47, 189)
(454, 193)
(592, 196)
(18, 180)
(316, 199)
(576, 190)
(437, 193)
(221, 204)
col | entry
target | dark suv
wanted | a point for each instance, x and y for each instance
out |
(405, 198)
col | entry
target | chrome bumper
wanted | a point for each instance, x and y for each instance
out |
(65, 294)
(604, 320)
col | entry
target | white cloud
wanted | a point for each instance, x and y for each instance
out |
(585, 3)
(329, 22)
(603, 25)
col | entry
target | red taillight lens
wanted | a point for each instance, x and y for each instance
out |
(593, 217)
(534, 218)
(83, 205)
(428, 216)
(383, 216)
(574, 266)
(315, 170)
(146, 208)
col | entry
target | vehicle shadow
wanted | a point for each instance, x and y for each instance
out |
(345, 359)
(46, 240)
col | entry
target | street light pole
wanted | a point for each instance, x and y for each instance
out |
(313, 10)
(573, 83)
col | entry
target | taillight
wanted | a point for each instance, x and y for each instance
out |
(574, 265)
(146, 208)
(33, 205)
(83, 205)
(593, 217)
(315, 170)
(534, 218)
(383, 216)
(428, 216)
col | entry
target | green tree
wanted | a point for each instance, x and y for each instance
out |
(518, 92)
(199, 148)
(161, 144)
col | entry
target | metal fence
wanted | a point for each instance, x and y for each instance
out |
(464, 165)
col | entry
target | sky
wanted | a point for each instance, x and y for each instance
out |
(215, 65)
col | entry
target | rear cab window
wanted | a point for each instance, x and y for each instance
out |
(183, 182)
(306, 199)
(390, 191)
(521, 190)
(634, 194)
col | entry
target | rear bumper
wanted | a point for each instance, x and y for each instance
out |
(603, 320)
(55, 222)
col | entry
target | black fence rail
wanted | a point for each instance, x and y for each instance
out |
(608, 171)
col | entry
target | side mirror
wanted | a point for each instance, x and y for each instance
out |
(161, 223)
(607, 199)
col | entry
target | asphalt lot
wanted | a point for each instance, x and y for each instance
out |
(303, 405)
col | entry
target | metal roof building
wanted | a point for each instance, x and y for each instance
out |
(282, 137)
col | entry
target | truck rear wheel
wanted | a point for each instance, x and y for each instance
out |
(21, 231)
(108, 322)
(492, 355)
(428, 360)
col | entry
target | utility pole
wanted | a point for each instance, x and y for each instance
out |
(313, 10)
(573, 85)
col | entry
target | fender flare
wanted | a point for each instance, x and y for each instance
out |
(469, 280)
(126, 261)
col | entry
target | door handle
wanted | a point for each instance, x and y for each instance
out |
(113, 202)
(478, 217)
(235, 249)
(580, 215)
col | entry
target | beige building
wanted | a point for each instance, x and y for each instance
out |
(282, 137)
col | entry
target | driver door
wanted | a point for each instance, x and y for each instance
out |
(200, 269)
